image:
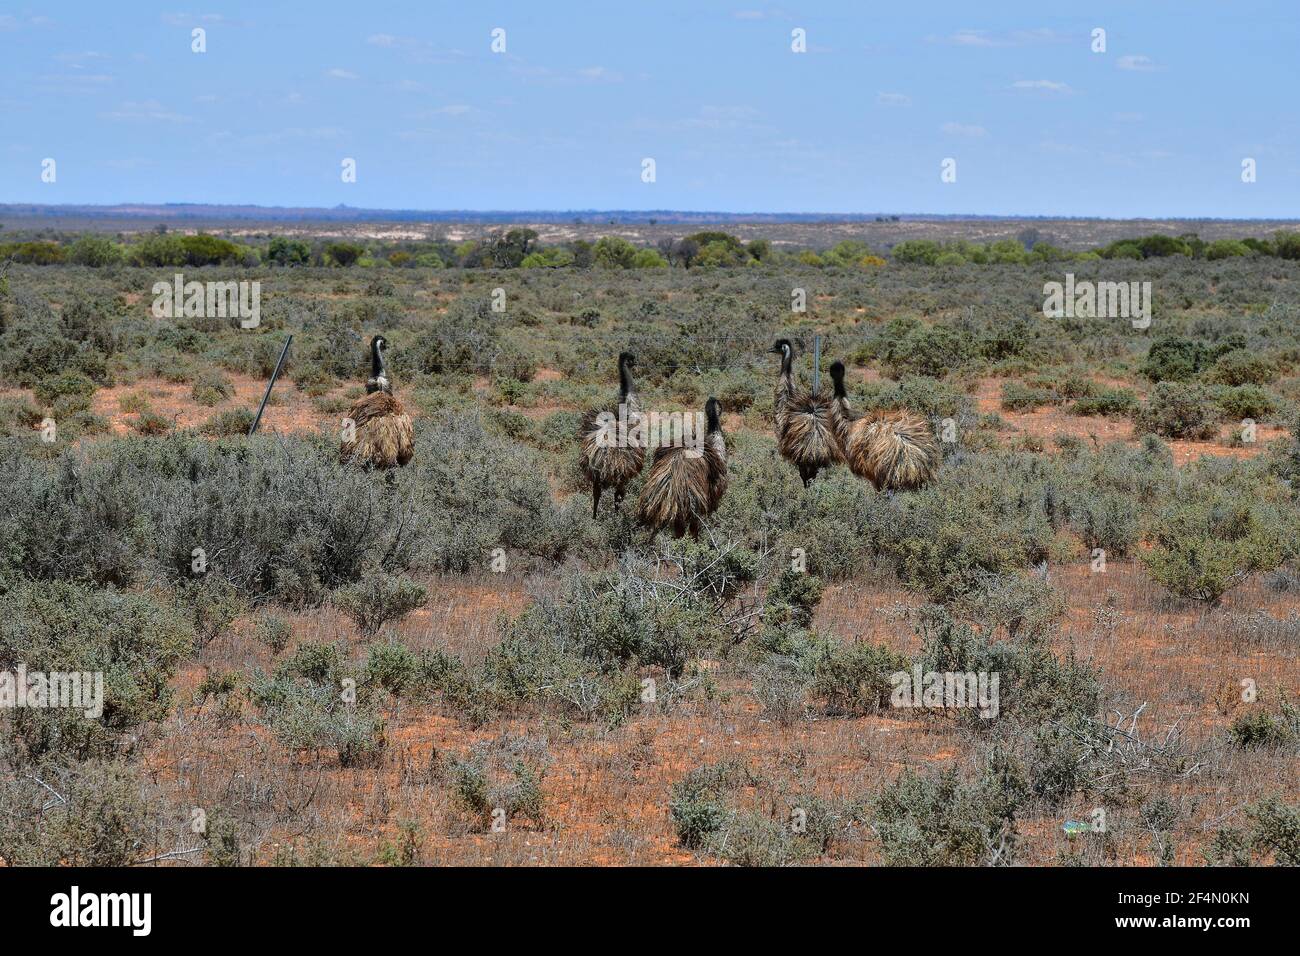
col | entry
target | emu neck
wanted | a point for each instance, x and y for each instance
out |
(787, 371)
(626, 389)
(842, 416)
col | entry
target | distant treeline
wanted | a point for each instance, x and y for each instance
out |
(519, 249)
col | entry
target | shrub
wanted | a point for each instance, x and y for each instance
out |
(1240, 367)
(501, 779)
(65, 384)
(377, 599)
(1107, 402)
(937, 820)
(344, 253)
(133, 640)
(1244, 401)
(273, 632)
(945, 539)
(95, 251)
(106, 816)
(1206, 543)
(1175, 360)
(464, 339)
(1021, 605)
(211, 388)
(229, 424)
(698, 802)
(150, 422)
(851, 678)
(1017, 396)
(933, 351)
(1261, 728)
(392, 666)
(1176, 410)
(305, 706)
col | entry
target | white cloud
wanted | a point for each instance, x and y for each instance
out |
(963, 129)
(1136, 63)
(600, 74)
(339, 74)
(149, 111)
(1042, 86)
(989, 38)
(893, 99)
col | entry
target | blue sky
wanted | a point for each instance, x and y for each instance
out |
(1157, 125)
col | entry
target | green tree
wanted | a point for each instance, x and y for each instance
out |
(95, 251)
(612, 252)
(288, 252)
(344, 253)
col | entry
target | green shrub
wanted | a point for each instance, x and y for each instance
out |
(851, 678)
(378, 599)
(937, 820)
(1176, 410)
(1261, 728)
(947, 538)
(211, 388)
(698, 803)
(106, 815)
(500, 781)
(66, 384)
(1239, 402)
(392, 666)
(933, 351)
(307, 705)
(133, 640)
(1207, 542)
(234, 422)
(1240, 367)
(1107, 402)
(1175, 360)
(1017, 396)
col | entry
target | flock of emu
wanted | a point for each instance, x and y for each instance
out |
(894, 451)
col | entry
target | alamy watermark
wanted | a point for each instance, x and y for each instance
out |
(1098, 300)
(633, 429)
(946, 690)
(67, 690)
(209, 300)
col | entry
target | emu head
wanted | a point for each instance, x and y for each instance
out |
(783, 348)
(837, 376)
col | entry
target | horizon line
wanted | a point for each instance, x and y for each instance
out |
(154, 209)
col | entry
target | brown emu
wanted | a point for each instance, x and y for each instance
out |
(892, 451)
(379, 433)
(686, 484)
(612, 446)
(805, 434)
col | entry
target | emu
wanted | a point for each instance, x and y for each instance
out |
(893, 452)
(612, 447)
(805, 433)
(686, 485)
(381, 432)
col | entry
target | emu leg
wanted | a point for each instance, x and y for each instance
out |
(595, 499)
(807, 473)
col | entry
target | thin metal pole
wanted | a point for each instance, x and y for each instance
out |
(817, 362)
(270, 385)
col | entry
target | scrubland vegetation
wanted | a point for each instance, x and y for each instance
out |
(460, 665)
